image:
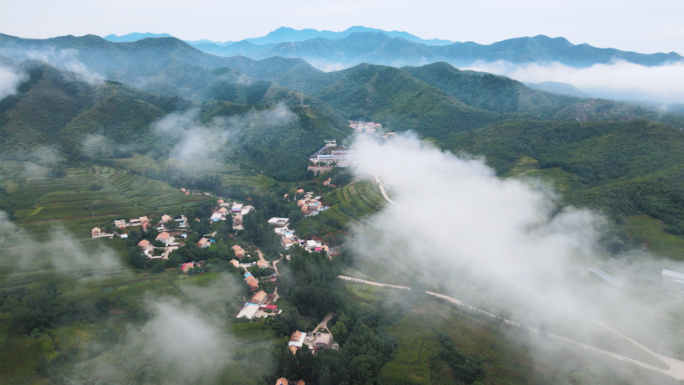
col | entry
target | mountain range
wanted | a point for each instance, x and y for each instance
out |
(285, 34)
(170, 67)
(356, 45)
(134, 37)
(87, 87)
(379, 48)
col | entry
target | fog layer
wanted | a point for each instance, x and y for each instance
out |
(620, 80)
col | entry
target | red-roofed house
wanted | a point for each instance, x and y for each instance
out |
(253, 283)
(204, 242)
(164, 237)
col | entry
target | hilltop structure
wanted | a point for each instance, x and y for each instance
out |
(330, 153)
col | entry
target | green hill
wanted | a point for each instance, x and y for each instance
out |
(490, 92)
(54, 108)
(83, 122)
(504, 95)
(401, 102)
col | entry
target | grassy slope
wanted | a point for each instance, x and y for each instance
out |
(347, 205)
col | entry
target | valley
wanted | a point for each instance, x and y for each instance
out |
(454, 184)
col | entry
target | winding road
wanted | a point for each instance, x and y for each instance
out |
(676, 367)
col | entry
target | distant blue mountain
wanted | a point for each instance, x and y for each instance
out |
(284, 35)
(135, 36)
(379, 48)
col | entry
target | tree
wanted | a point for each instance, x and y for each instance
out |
(137, 257)
(305, 364)
(363, 369)
(295, 216)
(103, 305)
(340, 332)
(158, 267)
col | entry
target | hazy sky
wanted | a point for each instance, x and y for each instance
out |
(642, 26)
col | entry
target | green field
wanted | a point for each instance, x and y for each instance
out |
(649, 232)
(354, 201)
(77, 349)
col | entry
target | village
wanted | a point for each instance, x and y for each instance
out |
(159, 236)
(172, 233)
(163, 235)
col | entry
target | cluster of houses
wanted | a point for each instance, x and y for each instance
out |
(288, 238)
(252, 282)
(238, 211)
(310, 205)
(143, 223)
(365, 127)
(259, 306)
(171, 236)
(170, 241)
(315, 341)
(225, 210)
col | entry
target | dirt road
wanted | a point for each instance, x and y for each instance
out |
(324, 323)
(346, 278)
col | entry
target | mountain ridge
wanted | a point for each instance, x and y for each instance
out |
(399, 52)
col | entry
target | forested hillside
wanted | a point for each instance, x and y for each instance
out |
(490, 92)
(623, 168)
(56, 108)
(56, 111)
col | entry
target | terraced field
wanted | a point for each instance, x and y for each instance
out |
(85, 197)
(355, 200)
(347, 204)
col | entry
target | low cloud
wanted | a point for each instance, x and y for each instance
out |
(620, 80)
(185, 342)
(202, 147)
(478, 220)
(97, 146)
(56, 251)
(182, 343)
(10, 82)
(66, 59)
(502, 244)
(46, 156)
